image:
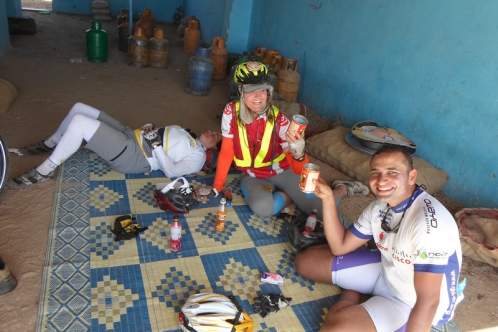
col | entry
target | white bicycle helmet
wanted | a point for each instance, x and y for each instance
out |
(210, 312)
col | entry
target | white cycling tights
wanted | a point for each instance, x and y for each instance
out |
(79, 125)
(78, 108)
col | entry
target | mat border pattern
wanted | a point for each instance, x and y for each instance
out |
(65, 177)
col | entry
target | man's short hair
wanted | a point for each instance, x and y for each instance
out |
(395, 149)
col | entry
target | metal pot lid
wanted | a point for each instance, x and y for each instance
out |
(369, 131)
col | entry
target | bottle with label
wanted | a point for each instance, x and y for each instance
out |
(310, 225)
(220, 216)
(175, 242)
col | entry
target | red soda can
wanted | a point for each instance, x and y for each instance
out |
(309, 173)
(297, 125)
(175, 241)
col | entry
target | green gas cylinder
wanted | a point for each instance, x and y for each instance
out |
(96, 43)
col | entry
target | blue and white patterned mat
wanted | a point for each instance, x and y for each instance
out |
(92, 282)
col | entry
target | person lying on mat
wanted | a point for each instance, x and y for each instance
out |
(412, 275)
(255, 139)
(171, 149)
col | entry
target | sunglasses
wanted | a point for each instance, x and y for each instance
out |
(386, 227)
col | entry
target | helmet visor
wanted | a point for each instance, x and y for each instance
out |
(246, 88)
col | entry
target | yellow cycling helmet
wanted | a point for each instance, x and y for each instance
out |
(251, 72)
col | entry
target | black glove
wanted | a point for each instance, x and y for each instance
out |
(266, 303)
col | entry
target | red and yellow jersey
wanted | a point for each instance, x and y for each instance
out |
(258, 146)
(257, 149)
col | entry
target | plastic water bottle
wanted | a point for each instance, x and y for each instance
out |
(175, 242)
(220, 216)
(310, 225)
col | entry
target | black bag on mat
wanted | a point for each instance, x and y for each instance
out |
(126, 228)
(296, 236)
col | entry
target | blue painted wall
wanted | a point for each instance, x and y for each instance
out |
(72, 6)
(211, 14)
(14, 8)
(238, 28)
(162, 10)
(4, 29)
(427, 68)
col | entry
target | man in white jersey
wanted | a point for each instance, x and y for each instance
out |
(412, 275)
(171, 149)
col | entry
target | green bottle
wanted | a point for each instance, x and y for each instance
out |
(96, 43)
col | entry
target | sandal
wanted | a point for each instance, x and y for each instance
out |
(352, 187)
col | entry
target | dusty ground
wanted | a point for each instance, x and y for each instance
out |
(51, 74)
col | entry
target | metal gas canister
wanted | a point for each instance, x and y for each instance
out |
(200, 71)
(288, 80)
(139, 48)
(192, 37)
(96, 43)
(219, 55)
(158, 49)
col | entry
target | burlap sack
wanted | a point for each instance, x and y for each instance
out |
(479, 234)
(331, 148)
(8, 93)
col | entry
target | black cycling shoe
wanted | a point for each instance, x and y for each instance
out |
(31, 177)
(35, 149)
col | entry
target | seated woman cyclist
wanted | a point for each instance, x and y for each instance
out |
(255, 138)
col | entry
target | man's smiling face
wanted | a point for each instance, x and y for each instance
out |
(392, 179)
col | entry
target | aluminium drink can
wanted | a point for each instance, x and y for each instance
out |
(309, 173)
(297, 125)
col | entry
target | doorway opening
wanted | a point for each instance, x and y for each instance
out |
(37, 5)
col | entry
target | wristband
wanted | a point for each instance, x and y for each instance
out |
(299, 159)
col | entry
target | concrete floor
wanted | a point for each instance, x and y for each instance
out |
(51, 74)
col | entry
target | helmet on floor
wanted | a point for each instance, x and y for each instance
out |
(251, 72)
(177, 196)
(210, 312)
